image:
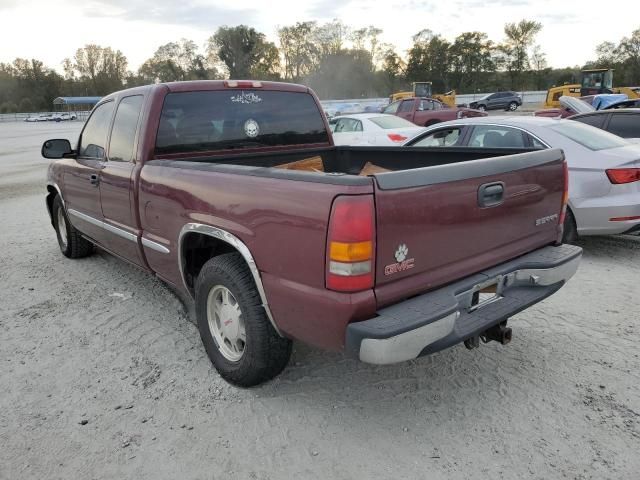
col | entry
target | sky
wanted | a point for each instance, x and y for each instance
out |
(52, 30)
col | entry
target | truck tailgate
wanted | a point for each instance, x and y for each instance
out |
(438, 224)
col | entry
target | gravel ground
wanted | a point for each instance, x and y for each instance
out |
(103, 376)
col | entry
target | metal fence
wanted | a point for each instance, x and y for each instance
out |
(22, 117)
(531, 98)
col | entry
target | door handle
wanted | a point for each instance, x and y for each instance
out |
(491, 194)
(94, 179)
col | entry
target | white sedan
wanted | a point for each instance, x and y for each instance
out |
(372, 129)
(604, 169)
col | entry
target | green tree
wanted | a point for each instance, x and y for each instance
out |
(101, 69)
(429, 60)
(298, 50)
(471, 60)
(245, 52)
(176, 61)
(519, 38)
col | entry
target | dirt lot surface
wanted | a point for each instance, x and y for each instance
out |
(104, 377)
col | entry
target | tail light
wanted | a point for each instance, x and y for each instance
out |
(396, 137)
(351, 244)
(565, 200)
(242, 84)
(623, 175)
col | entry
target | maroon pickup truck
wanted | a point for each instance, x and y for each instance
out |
(233, 194)
(428, 111)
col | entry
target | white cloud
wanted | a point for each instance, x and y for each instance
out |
(52, 30)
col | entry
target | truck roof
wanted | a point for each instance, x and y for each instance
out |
(205, 85)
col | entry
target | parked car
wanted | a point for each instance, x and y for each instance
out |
(604, 169)
(43, 117)
(568, 106)
(630, 103)
(233, 193)
(63, 116)
(623, 122)
(509, 101)
(372, 129)
(427, 111)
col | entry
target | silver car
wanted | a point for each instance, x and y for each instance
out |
(604, 169)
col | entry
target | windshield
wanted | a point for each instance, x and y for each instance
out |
(590, 137)
(236, 119)
(391, 121)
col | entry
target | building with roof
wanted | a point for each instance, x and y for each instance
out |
(73, 104)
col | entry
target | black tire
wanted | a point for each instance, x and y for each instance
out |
(570, 234)
(513, 106)
(75, 246)
(265, 353)
(482, 108)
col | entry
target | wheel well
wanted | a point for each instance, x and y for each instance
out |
(51, 196)
(196, 250)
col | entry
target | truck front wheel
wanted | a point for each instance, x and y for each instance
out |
(72, 243)
(237, 335)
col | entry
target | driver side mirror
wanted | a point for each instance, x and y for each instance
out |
(57, 148)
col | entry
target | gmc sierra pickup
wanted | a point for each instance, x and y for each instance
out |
(233, 193)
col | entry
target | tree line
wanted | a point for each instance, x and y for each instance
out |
(334, 59)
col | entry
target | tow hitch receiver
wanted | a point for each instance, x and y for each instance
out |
(498, 333)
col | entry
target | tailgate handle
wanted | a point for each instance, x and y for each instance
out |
(491, 194)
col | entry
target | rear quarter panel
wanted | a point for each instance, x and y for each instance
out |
(282, 222)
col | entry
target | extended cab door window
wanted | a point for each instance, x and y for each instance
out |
(124, 129)
(94, 136)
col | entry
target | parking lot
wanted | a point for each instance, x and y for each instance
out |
(104, 376)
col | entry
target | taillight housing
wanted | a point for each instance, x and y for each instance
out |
(565, 201)
(396, 137)
(242, 84)
(619, 176)
(351, 244)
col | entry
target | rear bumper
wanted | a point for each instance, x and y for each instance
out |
(444, 317)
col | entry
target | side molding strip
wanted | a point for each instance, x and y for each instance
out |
(99, 223)
(154, 245)
(238, 245)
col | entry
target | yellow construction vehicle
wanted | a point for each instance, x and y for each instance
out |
(423, 89)
(592, 82)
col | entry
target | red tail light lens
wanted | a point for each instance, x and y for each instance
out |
(396, 137)
(623, 175)
(351, 244)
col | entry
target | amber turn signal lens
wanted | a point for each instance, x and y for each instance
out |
(350, 252)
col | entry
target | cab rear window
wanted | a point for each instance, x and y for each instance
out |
(238, 119)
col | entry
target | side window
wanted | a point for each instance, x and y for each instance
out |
(436, 105)
(440, 138)
(347, 125)
(94, 135)
(123, 133)
(624, 125)
(496, 136)
(406, 106)
(535, 143)
(393, 108)
(593, 120)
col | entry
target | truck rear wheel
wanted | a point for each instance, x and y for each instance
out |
(240, 341)
(72, 243)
